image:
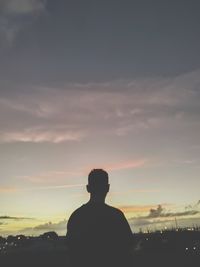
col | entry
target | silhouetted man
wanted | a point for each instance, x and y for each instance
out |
(98, 234)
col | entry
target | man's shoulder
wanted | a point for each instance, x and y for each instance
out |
(114, 210)
(86, 209)
(78, 211)
(88, 206)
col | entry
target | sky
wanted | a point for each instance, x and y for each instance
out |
(99, 84)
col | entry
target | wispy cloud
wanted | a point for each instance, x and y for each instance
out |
(136, 208)
(47, 187)
(125, 165)
(159, 215)
(65, 186)
(7, 189)
(41, 135)
(59, 227)
(131, 191)
(14, 218)
(53, 177)
(54, 114)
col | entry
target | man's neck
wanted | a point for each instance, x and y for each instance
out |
(97, 199)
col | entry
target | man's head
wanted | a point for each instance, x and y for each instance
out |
(98, 182)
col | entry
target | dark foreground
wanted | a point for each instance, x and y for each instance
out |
(157, 249)
(59, 259)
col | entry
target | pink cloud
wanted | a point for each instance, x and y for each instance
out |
(141, 208)
(135, 191)
(125, 165)
(62, 186)
(50, 177)
(7, 189)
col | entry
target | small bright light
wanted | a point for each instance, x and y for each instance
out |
(186, 248)
(194, 248)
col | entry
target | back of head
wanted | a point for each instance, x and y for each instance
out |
(98, 181)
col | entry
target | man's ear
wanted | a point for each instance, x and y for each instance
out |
(88, 188)
(108, 188)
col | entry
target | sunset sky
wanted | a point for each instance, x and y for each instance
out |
(111, 84)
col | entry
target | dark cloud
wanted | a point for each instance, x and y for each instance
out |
(154, 213)
(14, 218)
(52, 226)
(160, 212)
(159, 216)
(177, 214)
(193, 206)
(98, 40)
(102, 39)
(140, 222)
(60, 228)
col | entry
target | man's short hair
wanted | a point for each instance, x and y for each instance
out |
(98, 178)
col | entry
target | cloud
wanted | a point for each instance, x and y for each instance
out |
(59, 227)
(52, 226)
(15, 15)
(41, 135)
(60, 186)
(53, 178)
(136, 208)
(138, 223)
(193, 206)
(155, 218)
(75, 112)
(131, 191)
(154, 213)
(14, 218)
(7, 189)
(159, 216)
(160, 212)
(125, 165)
